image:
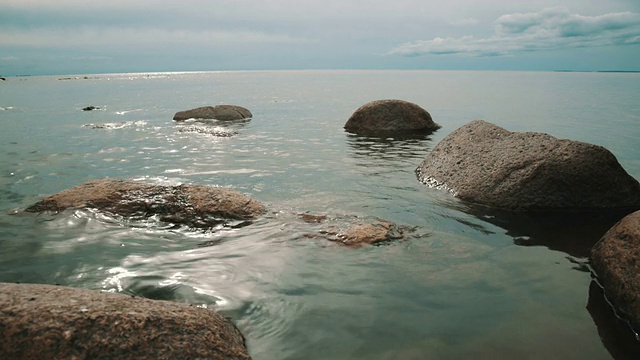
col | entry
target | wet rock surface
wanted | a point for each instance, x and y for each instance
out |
(485, 164)
(390, 116)
(218, 112)
(192, 205)
(616, 262)
(53, 322)
(357, 235)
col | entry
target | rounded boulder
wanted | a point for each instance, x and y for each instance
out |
(193, 205)
(218, 112)
(616, 262)
(485, 164)
(54, 322)
(390, 116)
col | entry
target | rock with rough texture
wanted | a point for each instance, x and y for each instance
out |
(362, 234)
(390, 116)
(218, 112)
(371, 234)
(193, 205)
(53, 322)
(616, 262)
(486, 164)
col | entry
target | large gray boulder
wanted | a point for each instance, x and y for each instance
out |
(616, 262)
(390, 116)
(486, 164)
(193, 205)
(54, 322)
(218, 112)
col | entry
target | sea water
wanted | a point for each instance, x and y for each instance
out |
(461, 284)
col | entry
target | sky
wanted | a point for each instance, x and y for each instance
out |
(46, 37)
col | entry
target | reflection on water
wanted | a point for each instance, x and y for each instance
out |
(571, 232)
(457, 288)
(616, 334)
(404, 148)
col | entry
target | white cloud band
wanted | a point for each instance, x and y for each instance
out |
(546, 30)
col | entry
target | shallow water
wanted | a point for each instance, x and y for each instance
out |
(462, 284)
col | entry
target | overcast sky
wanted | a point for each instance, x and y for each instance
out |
(105, 36)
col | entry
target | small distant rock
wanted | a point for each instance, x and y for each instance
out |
(90, 108)
(2, 79)
(310, 218)
(390, 116)
(219, 112)
(197, 206)
(616, 262)
(54, 322)
(485, 164)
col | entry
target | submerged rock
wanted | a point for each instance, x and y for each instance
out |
(54, 322)
(390, 116)
(616, 262)
(361, 234)
(310, 218)
(219, 112)
(486, 164)
(371, 234)
(193, 205)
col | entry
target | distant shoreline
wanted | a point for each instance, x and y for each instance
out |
(600, 71)
(93, 75)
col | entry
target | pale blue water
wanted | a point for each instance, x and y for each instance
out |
(458, 287)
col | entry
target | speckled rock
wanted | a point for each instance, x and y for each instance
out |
(218, 112)
(193, 205)
(486, 164)
(616, 262)
(362, 234)
(390, 116)
(53, 322)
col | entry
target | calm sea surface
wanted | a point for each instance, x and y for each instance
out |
(461, 285)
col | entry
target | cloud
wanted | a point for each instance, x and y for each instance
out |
(550, 29)
(465, 22)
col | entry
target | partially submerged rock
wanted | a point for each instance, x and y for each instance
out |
(486, 164)
(53, 322)
(616, 262)
(390, 116)
(310, 218)
(362, 234)
(371, 234)
(193, 205)
(218, 112)
(90, 108)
